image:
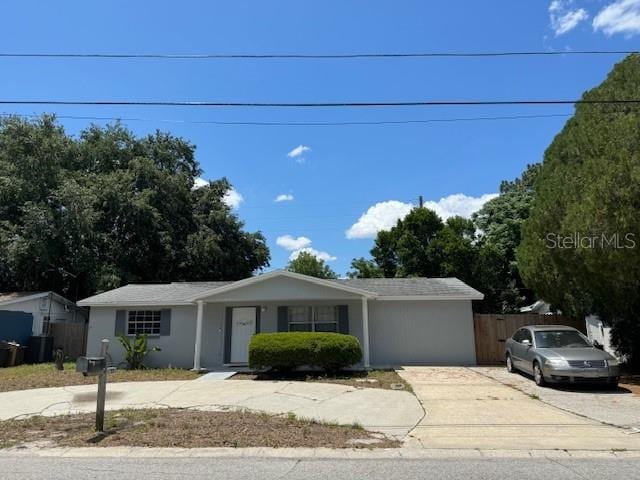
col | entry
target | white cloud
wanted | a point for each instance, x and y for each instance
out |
(199, 183)
(302, 244)
(233, 198)
(298, 153)
(620, 16)
(381, 216)
(284, 197)
(563, 17)
(459, 204)
(316, 253)
(290, 243)
(384, 215)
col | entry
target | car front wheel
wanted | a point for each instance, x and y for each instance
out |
(538, 377)
(509, 363)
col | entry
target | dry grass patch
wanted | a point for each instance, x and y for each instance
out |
(45, 375)
(386, 379)
(187, 429)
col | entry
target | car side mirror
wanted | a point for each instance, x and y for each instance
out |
(526, 342)
(598, 345)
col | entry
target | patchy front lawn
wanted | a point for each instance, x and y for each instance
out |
(45, 375)
(386, 379)
(187, 429)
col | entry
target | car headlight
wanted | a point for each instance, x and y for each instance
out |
(556, 362)
(613, 362)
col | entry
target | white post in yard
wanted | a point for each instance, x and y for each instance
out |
(365, 331)
(198, 343)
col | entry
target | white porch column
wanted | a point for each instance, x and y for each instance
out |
(198, 342)
(365, 331)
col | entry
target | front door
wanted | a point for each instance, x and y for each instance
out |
(243, 326)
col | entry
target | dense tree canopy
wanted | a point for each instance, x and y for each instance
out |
(581, 244)
(308, 264)
(499, 223)
(107, 208)
(421, 244)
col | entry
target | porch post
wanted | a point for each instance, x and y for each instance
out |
(198, 341)
(365, 331)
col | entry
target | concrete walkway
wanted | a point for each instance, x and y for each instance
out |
(468, 410)
(393, 413)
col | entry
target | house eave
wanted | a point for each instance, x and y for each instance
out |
(83, 303)
(429, 297)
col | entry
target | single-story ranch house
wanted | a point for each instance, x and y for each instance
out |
(207, 325)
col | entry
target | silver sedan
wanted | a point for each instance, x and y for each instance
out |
(559, 354)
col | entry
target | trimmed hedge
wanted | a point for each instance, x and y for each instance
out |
(287, 351)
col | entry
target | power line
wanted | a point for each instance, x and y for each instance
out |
(417, 103)
(299, 124)
(308, 56)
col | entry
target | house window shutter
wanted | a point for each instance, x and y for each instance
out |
(343, 319)
(165, 322)
(121, 322)
(283, 319)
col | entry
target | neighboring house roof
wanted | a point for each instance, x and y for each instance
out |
(7, 298)
(186, 293)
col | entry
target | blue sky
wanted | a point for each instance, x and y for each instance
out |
(342, 172)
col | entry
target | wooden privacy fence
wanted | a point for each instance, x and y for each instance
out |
(491, 331)
(72, 337)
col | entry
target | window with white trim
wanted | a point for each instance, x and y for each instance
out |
(313, 319)
(141, 322)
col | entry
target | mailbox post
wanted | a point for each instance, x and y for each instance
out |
(97, 366)
(102, 388)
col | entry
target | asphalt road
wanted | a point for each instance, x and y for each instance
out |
(39, 468)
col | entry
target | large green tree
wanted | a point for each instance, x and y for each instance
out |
(421, 244)
(581, 244)
(80, 215)
(307, 263)
(499, 223)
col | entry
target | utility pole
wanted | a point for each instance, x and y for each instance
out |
(420, 201)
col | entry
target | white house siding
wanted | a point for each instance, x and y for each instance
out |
(401, 332)
(214, 324)
(40, 308)
(177, 348)
(421, 332)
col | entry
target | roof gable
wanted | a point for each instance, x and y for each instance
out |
(291, 279)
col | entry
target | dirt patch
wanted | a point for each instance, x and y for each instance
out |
(386, 379)
(45, 375)
(631, 383)
(187, 429)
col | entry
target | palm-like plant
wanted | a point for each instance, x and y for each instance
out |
(135, 350)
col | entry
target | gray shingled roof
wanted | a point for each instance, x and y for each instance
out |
(420, 286)
(180, 292)
(152, 293)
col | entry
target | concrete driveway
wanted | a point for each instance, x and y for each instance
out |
(466, 409)
(393, 413)
(620, 407)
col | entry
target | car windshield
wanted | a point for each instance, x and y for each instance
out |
(560, 339)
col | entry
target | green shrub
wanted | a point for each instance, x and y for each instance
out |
(289, 350)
